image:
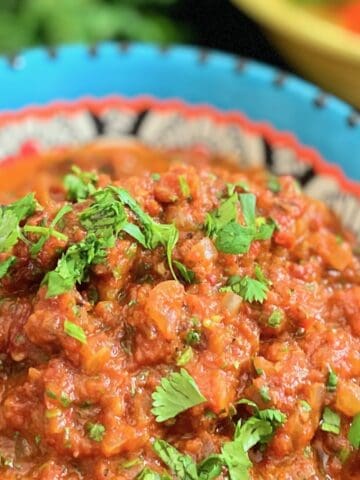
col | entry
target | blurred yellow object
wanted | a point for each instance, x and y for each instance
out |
(322, 51)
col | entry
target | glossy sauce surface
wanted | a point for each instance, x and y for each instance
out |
(138, 319)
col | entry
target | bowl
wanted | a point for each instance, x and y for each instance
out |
(179, 97)
(324, 52)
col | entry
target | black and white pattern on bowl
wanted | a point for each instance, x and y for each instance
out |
(170, 128)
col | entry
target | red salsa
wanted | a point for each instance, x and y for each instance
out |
(167, 315)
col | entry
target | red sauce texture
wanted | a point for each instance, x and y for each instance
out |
(138, 319)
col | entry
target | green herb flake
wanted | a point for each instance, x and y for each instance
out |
(127, 464)
(175, 394)
(265, 394)
(47, 232)
(273, 184)
(354, 432)
(155, 176)
(186, 274)
(37, 440)
(65, 400)
(276, 318)
(95, 431)
(305, 406)
(79, 184)
(185, 357)
(51, 394)
(10, 217)
(6, 265)
(149, 474)
(74, 331)
(184, 186)
(332, 381)
(330, 421)
(182, 466)
(193, 337)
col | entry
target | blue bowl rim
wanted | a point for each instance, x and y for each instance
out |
(282, 84)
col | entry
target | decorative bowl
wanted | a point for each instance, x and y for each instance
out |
(182, 96)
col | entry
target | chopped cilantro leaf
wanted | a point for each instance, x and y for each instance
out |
(72, 266)
(79, 184)
(225, 214)
(185, 357)
(74, 331)
(95, 431)
(46, 232)
(10, 218)
(354, 432)
(257, 429)
(230, 236)
(175, 394)
(153, 233)
(210, 468)
(187, 275)
(332, 381)
(330, 421)
(6, 265)
(251, 289)
(234, 454)
(148, 474)
(234, 239)
(182, 466)
(231, 187)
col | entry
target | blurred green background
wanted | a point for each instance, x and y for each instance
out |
(208, 23)
(51, 22)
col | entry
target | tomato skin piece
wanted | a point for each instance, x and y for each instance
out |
(164, 307)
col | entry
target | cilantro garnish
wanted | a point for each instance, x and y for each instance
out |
(104, 219)
(330, 421)
(251, 289)
(10, 218)
(95, 431)
(257, 429)
(183, 466)
(354, 432)
(186, 274)
(47, 232)
(6, 265)
(74, 331)
(79, 184)
(175, 394)
(148, 474)
(150, 234)
(332, 381)
(232, 237)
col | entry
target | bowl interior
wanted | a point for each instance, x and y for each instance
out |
(175, 124)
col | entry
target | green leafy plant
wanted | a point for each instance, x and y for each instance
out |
(31, 22)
